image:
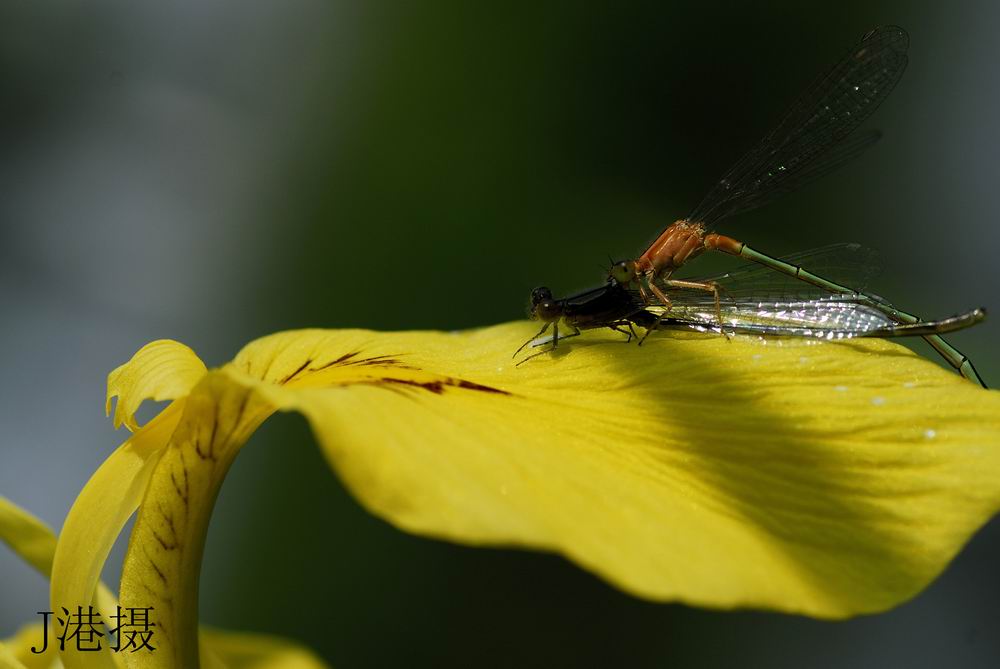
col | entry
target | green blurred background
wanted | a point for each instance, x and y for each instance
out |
(212, 172)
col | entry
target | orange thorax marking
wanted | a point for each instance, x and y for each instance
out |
(680, 242)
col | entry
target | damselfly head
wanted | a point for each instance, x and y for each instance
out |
(543, 306)
(623, 271)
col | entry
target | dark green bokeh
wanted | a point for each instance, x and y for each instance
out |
(445, 160)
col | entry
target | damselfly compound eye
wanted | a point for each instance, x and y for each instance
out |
(623, 271)
(539, 295)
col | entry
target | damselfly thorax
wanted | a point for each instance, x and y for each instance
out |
(679, 243)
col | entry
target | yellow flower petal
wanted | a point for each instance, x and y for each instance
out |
(823, 478)
(828, 479)
(237, 650)
(163, 562)
(160, 370)
(15, 652)
(27, 536)
(35, 543)
(97, 517)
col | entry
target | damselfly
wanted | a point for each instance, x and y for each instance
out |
(609, 306)
(755, 300)
(811, 140)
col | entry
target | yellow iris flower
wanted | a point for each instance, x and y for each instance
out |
(822, 478)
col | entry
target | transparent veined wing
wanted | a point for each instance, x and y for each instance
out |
(834, 317)
(812, 138)
(831, 318)
(851, 265)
